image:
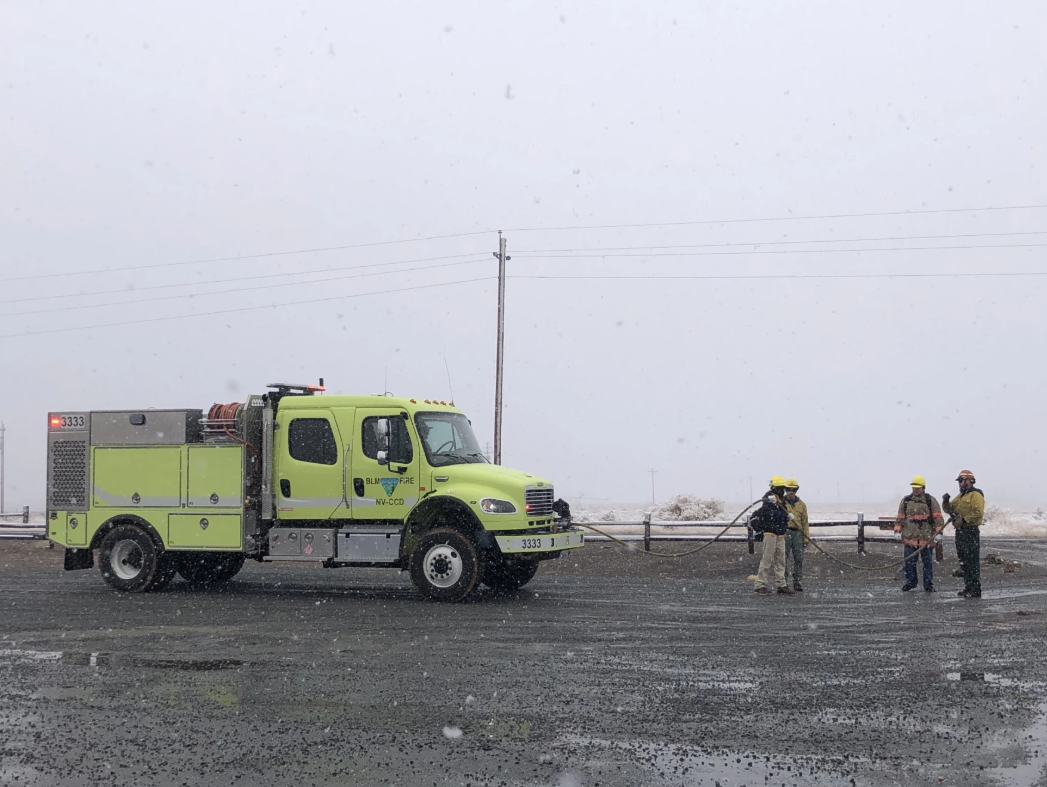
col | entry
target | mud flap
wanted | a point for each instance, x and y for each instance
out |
(77, 559)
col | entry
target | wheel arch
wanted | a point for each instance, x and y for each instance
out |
(442, 511)
(127, 519)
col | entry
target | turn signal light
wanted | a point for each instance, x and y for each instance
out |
(56, 422)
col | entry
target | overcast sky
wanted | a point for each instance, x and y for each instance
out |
(147, 137)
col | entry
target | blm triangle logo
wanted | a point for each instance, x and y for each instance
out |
(389, 485)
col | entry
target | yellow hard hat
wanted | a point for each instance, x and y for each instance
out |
(777, 481)
(918, 480)
(790, 483)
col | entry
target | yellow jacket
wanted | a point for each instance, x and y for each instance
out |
(799, 520)
(968, 506)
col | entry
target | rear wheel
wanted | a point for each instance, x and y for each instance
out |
(209, 568)
(506, 574)
(445, 565)
(128, 559)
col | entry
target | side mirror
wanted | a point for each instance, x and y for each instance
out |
(382, 432)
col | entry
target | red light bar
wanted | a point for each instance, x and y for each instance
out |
(316, 388)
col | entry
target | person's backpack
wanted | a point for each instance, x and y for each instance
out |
(769, 518)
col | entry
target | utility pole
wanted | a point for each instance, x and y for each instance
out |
(653, 474)
(2, 430)
(500, 357)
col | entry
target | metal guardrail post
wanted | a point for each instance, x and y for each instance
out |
(750, 537)
(861, 533)
(25, 515)
(647, 532)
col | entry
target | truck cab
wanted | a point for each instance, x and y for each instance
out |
(293, 476)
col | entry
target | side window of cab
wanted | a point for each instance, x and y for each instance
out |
(311, 440)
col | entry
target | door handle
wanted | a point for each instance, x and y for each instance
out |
(358, 487)
(285, 487)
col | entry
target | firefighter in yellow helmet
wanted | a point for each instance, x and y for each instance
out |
(968, 510)
(772, 520)
(797, 537)
(919, 521)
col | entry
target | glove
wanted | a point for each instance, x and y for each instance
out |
(946, 497)
(806, 542)
(792, 517)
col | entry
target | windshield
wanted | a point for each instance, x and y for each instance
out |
(448, 439)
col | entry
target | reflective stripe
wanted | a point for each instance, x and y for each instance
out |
(370, 502)
(148, 501)
(310, 502)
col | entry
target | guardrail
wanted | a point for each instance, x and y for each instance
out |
(23, 515)
(21, 528)
(749, 536)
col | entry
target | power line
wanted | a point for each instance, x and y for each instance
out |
(788, 242)
(248, 256)
(774, 218)
(775, 251)
(252, 277)
(235, 291)
(797, 276)
(243, 309)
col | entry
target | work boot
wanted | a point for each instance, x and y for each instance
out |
(970, 594)
(906, 588)
(762, 591)
(786, 592)
(929, 589)
(797, 587)
(958, 572)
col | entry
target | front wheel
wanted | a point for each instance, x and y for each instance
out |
(128, 559)
(445, 565)
(508, 574)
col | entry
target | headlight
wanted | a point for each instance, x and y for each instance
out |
(490, 505)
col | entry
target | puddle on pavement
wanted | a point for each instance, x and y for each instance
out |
(115, 660)
(1033, 769)
(992, 677)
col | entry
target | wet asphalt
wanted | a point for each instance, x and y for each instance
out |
(609, 669)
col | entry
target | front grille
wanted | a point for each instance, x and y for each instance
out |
(539, 501)
(69, 475)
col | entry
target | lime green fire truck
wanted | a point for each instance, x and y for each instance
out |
(293, 476)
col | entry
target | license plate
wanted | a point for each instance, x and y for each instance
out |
(542, 543)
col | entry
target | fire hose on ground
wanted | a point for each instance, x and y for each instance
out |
(733, 522)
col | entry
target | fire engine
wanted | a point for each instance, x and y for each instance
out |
(295, 476)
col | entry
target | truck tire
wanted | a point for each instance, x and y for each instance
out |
(445, 565)
(128, 559)
(209, 568)
(507, 574)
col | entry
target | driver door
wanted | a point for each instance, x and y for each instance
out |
(384, 482)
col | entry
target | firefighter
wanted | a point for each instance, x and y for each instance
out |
(968, 510)
(919, 521)
(772, 520)
(797, 537)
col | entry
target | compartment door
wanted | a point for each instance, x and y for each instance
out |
(137, 477)
(215, 476)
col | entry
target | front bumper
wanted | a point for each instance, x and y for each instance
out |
(541, 542)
